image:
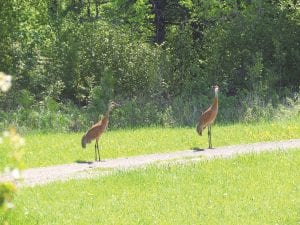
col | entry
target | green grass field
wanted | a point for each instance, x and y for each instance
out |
(49, 149)
(249, 189)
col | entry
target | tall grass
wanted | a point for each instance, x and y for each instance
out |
(52, 116)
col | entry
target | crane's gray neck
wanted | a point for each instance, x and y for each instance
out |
(110, 108)
(216, 92)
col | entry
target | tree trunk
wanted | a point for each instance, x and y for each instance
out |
(158, 8)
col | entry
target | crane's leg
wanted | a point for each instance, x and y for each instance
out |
(209, 137)
(98, 150)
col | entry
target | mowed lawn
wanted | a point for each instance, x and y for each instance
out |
(249, 189)
(57, 148)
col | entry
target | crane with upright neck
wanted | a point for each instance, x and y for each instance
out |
(95, 132)
(208, 117)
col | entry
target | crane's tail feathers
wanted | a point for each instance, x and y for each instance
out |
(199, 129)
(83, 142)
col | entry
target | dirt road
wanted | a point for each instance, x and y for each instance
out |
(81, 170)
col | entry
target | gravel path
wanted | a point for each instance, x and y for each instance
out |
(43, 175)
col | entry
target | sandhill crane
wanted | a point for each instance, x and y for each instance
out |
(209, 116)
(97, 129)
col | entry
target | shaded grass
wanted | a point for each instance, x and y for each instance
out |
(249, 189)
(49, 149)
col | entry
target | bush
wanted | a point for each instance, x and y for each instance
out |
(49, 115)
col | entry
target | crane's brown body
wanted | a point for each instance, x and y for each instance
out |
(95, 132)
(208, 117)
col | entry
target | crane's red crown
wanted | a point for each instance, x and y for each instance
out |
(215, 87)
(113, 104)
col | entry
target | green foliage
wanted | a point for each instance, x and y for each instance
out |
(46, 115)
(7, 191)
(83, 53)
(7, 194)
(251, 51)
(11, 167)
(52, 115)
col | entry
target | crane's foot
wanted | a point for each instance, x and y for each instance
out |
(97, 159)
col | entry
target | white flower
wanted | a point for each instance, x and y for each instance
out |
(21, 141)
(5, 133)
(10, 205)
(17, 141)
(5, 82)
(15, 174)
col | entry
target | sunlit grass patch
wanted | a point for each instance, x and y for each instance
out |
(57, 148)
(250, 189)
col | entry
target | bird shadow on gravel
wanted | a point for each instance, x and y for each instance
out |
(84, 162)
(197, 149)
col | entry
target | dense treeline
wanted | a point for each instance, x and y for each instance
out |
(158, 58)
